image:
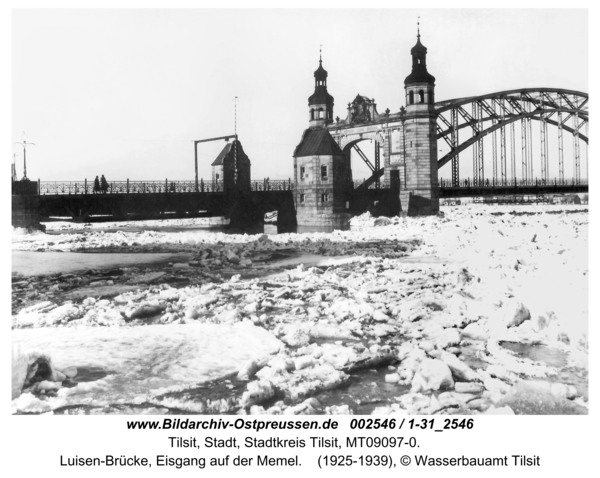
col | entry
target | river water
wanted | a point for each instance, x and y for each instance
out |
(28, 263)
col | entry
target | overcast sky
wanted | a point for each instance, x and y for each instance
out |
(125, 92)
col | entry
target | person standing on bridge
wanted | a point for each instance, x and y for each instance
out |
(103, 185)
(96, 185)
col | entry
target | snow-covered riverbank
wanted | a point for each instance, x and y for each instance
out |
(430, 301)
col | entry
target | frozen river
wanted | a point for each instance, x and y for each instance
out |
(483, 311)
(29, 263)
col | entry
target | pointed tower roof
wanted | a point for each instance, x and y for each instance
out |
(316, 142)
(419, 73)
(219, 159)
(419, 47)
(320, 73)
(227, 151)
(320, 96)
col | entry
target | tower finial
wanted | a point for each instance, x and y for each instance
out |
(418, 29)
(320, 50)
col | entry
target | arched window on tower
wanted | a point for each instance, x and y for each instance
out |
(431, 101)
(321, 113)
(411, 97)
(421, 96)
(312, 114)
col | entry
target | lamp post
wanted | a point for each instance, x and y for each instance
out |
(24, 143)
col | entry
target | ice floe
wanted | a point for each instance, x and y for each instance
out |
(434, 301)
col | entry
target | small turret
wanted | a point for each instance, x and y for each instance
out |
(320, 103)
(419, 85)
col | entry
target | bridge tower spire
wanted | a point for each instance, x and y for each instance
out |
(320, 103)
(321, 170)
(419, 196)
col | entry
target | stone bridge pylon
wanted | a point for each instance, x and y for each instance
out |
(405, 162)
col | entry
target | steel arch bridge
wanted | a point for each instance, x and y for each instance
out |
(496, 114)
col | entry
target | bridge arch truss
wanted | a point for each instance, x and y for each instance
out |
(465, 122)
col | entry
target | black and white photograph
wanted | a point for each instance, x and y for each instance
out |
(243, 212)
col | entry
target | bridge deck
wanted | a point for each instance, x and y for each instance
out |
(156, 199)
(524, 190)
(158, 205)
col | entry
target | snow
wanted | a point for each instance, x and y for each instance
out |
(432, 374)
(149, 223)
(144, 359)
(440, 295)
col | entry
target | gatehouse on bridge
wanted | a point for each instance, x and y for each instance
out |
(407, 144)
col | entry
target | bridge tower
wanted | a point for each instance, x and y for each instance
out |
(321, 171)
(419, 195)
(224, 167)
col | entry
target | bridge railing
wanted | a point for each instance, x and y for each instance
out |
(128, 187)
(65, 187)
(140, 187)
(143, 187)
(382, 184)
(517, 182)
(268, 185)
